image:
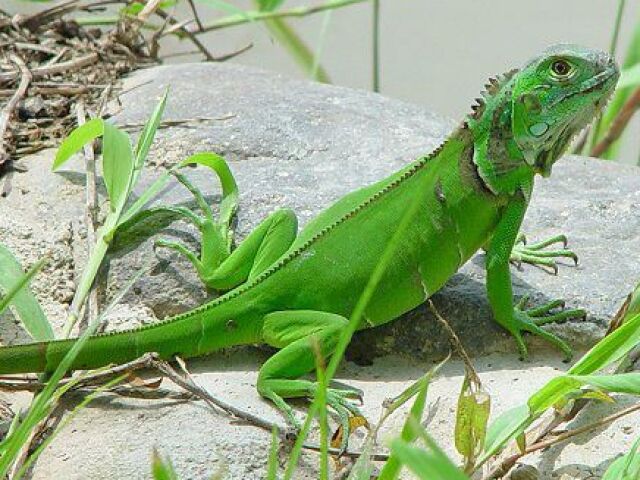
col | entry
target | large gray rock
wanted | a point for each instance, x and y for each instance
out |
(302, 145)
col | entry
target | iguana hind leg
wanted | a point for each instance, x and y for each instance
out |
(279, 379)
(219, 266)
(535, 253)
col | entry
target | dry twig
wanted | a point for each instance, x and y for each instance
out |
(7, 112)
(91, 208)
(619, 124)
(62, 67)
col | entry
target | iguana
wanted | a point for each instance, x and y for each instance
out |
(283, 287)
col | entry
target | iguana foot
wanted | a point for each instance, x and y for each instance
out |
(532, 319)
(339, 400)
(219, 266)
(535, 253)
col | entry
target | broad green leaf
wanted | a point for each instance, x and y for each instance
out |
(610, 349)
(554, 390)
(77, 139)
(507, 426)
(618, 383)
(471, 421)
(140, 227)
(630, 77)
(14, 284)
(117, 165)
(136, 224)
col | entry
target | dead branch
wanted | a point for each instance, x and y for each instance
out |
(619, 124)
(7, 112)
(62, 67)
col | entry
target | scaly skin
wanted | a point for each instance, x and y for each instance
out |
(474, 190)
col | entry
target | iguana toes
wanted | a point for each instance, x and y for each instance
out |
(473, 192)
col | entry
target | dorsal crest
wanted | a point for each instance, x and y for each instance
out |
(492, 87)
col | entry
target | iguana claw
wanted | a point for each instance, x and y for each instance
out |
(534, 254)
(532, 319)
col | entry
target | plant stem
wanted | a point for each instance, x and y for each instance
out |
(376, 45)
(252, 16)
(315, 69)
(616, 28)
(595, 131)
(89, 275)
(618, 125)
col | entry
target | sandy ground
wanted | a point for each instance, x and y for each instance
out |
(114, 436)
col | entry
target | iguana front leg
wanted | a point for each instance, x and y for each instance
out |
(536, 253)
(279, 379)
(219, 266)
(516, 319)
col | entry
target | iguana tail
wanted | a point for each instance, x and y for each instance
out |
(194, 333)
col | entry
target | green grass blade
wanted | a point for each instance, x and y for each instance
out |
(149, 194)
(355, 320)
(324, 30)
(375, 45)
(630, 77)
(427, 464)
(67, 419)
(162, 469)
(628, 383)
(296, 47)
(269, 5)
(227, 7)
(42, 402)
(147, 135)
(272, 465)
(626, 467)
(610, 349)
(77, 139)
(17, 294)
(621, 95)
(392, 467)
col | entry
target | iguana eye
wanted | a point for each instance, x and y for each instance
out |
(561, 69)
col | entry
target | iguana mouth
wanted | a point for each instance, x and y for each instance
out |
(595, 83)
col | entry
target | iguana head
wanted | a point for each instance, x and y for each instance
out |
(554, 97)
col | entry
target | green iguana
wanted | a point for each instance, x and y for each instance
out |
(285, 287)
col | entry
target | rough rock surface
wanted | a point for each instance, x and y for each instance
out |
(303, 145)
